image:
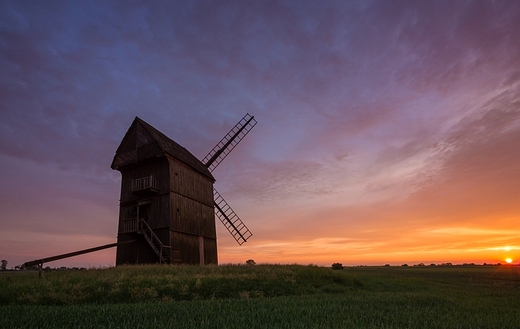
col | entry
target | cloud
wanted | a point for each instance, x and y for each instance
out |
(275, 182)
(47, 199)
(372, 115)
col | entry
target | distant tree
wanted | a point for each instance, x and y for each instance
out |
(250, 262)
(404, 265)
(337, 266)
(3, 267)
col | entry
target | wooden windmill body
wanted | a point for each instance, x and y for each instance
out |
(168, 203)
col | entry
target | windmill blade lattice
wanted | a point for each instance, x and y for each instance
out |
(228, 143)
(231, 221)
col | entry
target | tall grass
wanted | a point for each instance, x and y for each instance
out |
(145, 283)
(364, 310)
(263, 296)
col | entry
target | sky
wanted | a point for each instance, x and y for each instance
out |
(388, 131)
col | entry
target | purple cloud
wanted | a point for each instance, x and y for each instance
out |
(387, 103)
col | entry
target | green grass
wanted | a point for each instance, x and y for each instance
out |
(263, 296)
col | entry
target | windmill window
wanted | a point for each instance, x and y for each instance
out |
(145, 184)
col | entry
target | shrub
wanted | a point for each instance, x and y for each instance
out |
(337, 266)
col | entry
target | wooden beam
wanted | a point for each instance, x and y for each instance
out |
(75, 253)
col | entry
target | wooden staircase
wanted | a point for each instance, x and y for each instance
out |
(160, 249)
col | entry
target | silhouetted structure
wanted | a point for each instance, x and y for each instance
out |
(168, 202)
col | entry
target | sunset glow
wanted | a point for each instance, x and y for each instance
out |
(388, 131)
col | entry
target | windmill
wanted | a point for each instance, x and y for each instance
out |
(168, 203)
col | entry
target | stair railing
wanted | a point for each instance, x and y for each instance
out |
(154, 241)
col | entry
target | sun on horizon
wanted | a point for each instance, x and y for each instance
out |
(509, 260)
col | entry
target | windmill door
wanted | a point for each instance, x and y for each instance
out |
(143, 210)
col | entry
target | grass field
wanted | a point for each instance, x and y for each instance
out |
(263, 296)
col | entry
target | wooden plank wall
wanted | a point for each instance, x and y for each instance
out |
(192, 205)
(126, 254)
(192, 217)
(190, 183)
(210, 251)
(185, 247)
(188, 246)
(137, 144)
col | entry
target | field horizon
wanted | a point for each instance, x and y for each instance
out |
(264, 296)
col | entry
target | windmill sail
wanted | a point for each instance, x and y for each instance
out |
(231, 221)
(228, 143)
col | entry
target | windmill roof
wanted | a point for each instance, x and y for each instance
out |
(143, 141)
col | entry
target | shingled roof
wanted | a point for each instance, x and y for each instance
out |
(143, 141)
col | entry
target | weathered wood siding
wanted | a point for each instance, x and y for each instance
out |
(210, 251)
(190, 183)
(192, 217)
(192, 205)
(126, 254)
(186, 248)
(137, 145)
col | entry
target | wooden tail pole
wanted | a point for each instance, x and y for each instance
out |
(40, 262)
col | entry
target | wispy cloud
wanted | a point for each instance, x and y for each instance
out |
(378, 122)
